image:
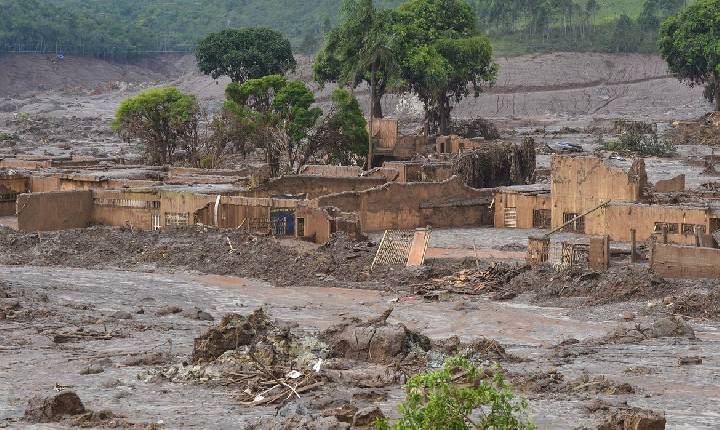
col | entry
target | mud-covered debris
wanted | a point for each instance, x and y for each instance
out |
(481, 349)
(108, 419)
(92, 369)
(168, 310)
(299, 422)
(121, 315)
(197, 314)
(688, 361)
(53, 408)
(267, 339)
(374, 340)
(147, 359)
(344, 412)
(600, 385)
(661, 328)
(634, 419)
(367, 416)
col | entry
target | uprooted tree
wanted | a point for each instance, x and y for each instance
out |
(163, 119)
(690, 43)
(243, 54)
(459, 396)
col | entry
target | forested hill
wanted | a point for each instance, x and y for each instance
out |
(118, 28)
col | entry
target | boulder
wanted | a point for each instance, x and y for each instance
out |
(53, 408)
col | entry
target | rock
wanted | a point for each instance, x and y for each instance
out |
(110, 383)
(147, 359)
(53, 408)
(672, 327)
(3, 316)
(140, 311)
(197, 314)
(344, 413)
(168, 310)
(634, 419)
(628, 316)
(687, 361)
(92, 369)
(121, 315)
(9, 304)
(270, 339)
(375, 340)
(292, 409)
(367, 416)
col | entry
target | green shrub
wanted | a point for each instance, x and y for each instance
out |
(642, 144)
(456, 397)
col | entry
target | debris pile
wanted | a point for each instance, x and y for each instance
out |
(264, 360)
(478, 127)
(704, 131)
(374, 340)
(497, 164)
(53, 408)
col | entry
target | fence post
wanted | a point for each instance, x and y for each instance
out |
(633, 246)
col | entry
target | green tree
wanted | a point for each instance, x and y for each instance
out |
(357, 51)
(244, 54)
(279, 113)
(442, 56)
(162, 118)
(690, 43)
(456, 397)
(342, 136)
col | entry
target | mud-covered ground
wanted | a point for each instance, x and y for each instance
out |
(113, 315)
(123, 341)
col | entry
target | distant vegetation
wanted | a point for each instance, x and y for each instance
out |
(118, 28)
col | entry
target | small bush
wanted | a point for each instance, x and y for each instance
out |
(6, 137)
(456, 397)
(642, 144)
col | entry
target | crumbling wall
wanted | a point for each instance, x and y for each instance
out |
(524, 207)
(419, 171)
(617, 219)
(410, 205)
(126, 208)
(11, 184)
(331, 171)
(676, 184)
(313, 186)
(675, 261)
(54, 211)
(579, 184)
(496, 164)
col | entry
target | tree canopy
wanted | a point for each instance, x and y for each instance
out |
(280, 114)
(162, 118)
(443, 55)
(690, 43)
(243, 54)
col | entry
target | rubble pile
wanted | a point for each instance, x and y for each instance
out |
(497, 164)
(262, 359)
(704, 131)
(473, 128)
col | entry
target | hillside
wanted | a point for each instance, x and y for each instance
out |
(121, 28)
